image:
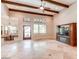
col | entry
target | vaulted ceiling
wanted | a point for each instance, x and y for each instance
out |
(52, 7)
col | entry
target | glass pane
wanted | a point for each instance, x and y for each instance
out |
(42, 28)
(6, 30)
(35, 28)
(26, 31)
(26, 34)
(12, 29)
(27, 20)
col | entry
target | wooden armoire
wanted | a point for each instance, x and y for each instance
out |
(67, 33)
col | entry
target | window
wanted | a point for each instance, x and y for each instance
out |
(39, 28)
(26, 19)
(12, 29)
(42, 28)
(35, 28)
(5, 30)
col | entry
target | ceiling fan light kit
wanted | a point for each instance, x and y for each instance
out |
(41, 8)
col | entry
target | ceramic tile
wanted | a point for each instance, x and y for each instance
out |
(46, 49)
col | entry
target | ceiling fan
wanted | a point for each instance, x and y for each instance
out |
(42, 6)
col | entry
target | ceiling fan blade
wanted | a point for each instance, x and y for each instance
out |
(42, 0)
(46, 7)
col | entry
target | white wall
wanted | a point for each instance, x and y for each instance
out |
(66, 16)
(4, 17)
(21, 16)
(16, 19)
(4, 14)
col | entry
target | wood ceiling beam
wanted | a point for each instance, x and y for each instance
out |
(29, 12)
(57, 3)
(25, 5)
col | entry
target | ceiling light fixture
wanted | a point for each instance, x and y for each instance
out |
(41, 7)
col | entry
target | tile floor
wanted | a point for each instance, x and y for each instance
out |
(46, 49)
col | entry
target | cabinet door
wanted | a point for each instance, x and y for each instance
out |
(73, 34)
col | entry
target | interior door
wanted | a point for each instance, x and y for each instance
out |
(27, 32)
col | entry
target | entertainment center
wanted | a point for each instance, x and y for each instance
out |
(67, 33)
